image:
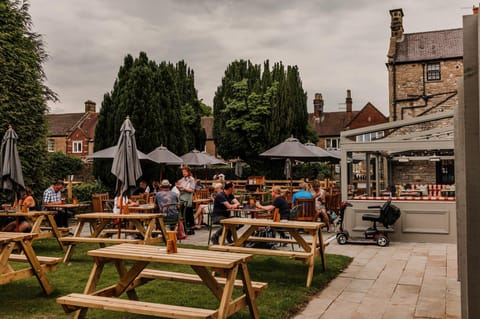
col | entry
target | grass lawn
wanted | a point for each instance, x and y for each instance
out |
(285, 295)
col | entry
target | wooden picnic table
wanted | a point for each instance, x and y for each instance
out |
(36, 219)
(248, 211)
(144, 225)
(311, 249)
(143, 208)
(203, 262)
(65, 205)
(38, 265)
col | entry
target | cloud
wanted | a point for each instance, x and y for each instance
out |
(337, 45)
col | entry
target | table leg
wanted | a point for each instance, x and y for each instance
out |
(36, 267)
(55, 230)
(6, 250)
(248, 290)
(321, 247)
(241, 240)
(77, 233)
(231, 275)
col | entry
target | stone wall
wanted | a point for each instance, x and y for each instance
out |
(414, 172)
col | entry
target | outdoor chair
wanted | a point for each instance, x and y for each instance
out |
(304, 210)
(98, 202)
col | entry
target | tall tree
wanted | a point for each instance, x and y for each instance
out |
(162, 103)
(256, 110)
(23, 93)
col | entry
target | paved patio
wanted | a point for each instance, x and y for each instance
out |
(403, 280)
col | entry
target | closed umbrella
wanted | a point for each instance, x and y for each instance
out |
(287, 170)
(10, 165)
(126, 164)
(238, 168)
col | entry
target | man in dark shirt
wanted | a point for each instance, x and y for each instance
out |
(278, 202)
(224, 201)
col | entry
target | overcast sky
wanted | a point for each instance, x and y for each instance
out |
(337, 44)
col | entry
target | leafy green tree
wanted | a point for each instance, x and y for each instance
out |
(256, 110)
(23, 94)
(162, 104)
(61, 165)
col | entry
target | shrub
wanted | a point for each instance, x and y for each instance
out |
(84, 191)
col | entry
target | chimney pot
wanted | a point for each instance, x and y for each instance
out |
(396, 24)
(90, 106)
(318, 104)
(348, 101)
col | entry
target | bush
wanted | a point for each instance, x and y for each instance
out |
(84, 191)
(61, 165)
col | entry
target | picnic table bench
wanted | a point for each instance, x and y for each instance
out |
(201, 261)
(144, 224)
(311, 249)
(39, 265)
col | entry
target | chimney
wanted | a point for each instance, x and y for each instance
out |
(475, 10)
(90, 106)
(396, 24)
(348, 102)
(318, 104)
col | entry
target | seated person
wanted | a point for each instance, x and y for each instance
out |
(224, 200)
(167, 203)
(302, 193)
(23, 225)
(199, 184)
(278, 202)
(319, 195)
(202, 208)
(142, 188)
(53, 195)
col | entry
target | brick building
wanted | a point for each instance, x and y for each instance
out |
(73, 133)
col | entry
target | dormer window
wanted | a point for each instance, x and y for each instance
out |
(433, 71)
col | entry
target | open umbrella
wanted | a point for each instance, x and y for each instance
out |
(162, 156)
(110, 153)
(197, 158)
(290, 149)
(322, 153)
(126, 164)
(10, 165)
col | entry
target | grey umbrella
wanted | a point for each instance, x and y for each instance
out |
(291, 148)
(10, 165)
(163, 156)
(126, 164)
(197, 158)
(322, 153)
(110, 153)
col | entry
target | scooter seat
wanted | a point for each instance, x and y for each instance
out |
(371, 217)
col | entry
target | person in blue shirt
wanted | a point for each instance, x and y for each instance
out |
(302, 193)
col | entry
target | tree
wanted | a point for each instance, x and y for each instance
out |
(61, 165)
(23, 94)
(162, 103)
(256, 110)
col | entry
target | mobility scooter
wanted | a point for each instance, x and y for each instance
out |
(388, 215)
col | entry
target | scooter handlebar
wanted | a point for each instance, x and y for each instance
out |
(372, 207)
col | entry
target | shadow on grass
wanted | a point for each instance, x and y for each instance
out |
(285, 295)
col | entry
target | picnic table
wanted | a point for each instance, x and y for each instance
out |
(144, 225)
(140, 256)
(311, 249)
(37, 219)
(143, 208)
(39, 265)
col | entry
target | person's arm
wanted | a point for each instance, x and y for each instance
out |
(267, 207)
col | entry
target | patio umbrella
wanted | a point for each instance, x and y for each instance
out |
(290, 149)
(10, 165)
(287, 170)
(238, 168)
(126, 164)
(322, 153)
(110, 153)
(197, 158)
(162, 156)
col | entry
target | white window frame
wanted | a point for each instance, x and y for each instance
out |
(51, 145)
(332, 143)
(434, 71)
(368, 137)
(77, 147)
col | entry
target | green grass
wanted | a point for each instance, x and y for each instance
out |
(285, 295)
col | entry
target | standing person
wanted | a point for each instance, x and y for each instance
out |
(186, 186)
(53, 195)
(319, 195)
(23, 224)
(224, 201)
(302, 193)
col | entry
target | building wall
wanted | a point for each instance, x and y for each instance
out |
(77, 135)
(60, 144)
(423, 172)
(411, 86)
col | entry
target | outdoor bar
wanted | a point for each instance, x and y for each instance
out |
(413, 167)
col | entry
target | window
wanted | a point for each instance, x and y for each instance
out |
(77, 146)
(369, 136)
(433, 71)
(332, 143)
(51, 145)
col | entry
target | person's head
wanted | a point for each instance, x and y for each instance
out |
(165, 184)
(28, 192)
(303, 185)
(156, 183)
(186, 171)
(58, 185)
(316, 185)
(217, 187)
(228, 188)
(276, 191)
(143, 184)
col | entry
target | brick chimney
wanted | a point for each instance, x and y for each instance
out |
(348, 102)
(318, 104)
(90, 106)
(396, 24)
(475, 10)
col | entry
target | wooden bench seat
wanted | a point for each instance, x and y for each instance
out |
(75, 301)
(99, 240)
(261, 251)
(41, 259)
(150, 274)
